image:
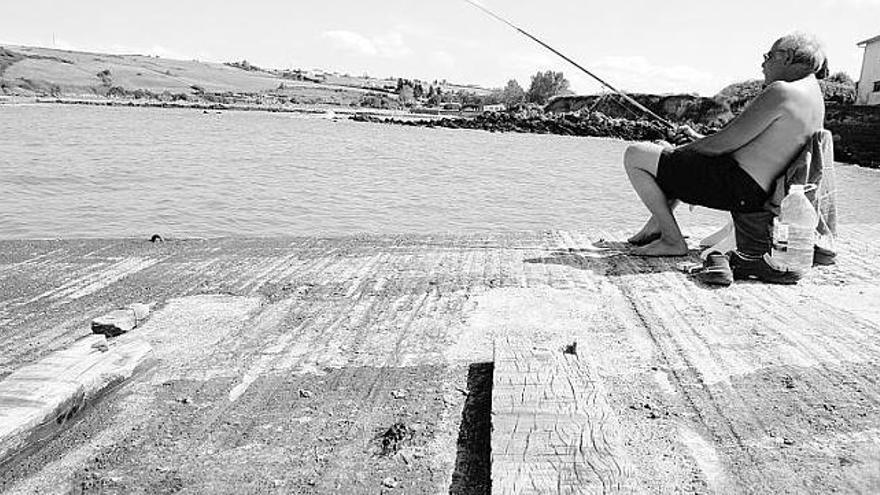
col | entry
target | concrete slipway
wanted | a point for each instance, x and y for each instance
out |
(418, 364)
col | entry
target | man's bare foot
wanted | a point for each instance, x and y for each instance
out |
(649, 233)
(662, 247)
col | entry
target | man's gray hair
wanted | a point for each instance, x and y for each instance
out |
(807, 50)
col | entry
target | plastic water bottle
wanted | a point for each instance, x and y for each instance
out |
(794, 232)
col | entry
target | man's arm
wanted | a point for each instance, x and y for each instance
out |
(765, 109)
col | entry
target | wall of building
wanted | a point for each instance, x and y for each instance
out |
(870, 75)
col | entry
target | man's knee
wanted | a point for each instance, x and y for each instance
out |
(642, 156)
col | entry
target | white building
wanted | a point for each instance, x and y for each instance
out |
(869, 82)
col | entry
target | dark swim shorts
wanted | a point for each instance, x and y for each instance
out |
(712, 181)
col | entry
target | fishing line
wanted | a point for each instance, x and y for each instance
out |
(572, 62)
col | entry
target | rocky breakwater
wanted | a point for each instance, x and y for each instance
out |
(594, 124)
(696, 110)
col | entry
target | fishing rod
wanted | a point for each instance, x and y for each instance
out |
(572, 62)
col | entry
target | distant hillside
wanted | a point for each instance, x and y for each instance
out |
(32, 71)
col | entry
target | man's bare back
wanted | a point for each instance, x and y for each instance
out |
(801, 114)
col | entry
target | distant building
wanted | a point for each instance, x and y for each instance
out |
(471, 107)
(869, 82)
(499, 107)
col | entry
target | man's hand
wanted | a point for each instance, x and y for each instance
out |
(683, 134)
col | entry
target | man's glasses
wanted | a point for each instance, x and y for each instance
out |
(769, 55)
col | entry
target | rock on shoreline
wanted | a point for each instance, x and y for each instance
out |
(594, 124)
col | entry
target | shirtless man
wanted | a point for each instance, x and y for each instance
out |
(734, 169)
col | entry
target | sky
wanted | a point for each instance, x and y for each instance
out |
(674, 46)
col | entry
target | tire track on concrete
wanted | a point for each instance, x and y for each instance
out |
(251, 403)
(94, 281)
(818, 354)
(360, 339)
(416, 303)
(701, 325)
(370, 399)
(739, 409)
(38, 260)
(814, 311)
(262, 273)
(187, 278)
(302, 252)
(263, 396)
(720, 360)
(797, 328)
(698, 397)
(46, 282)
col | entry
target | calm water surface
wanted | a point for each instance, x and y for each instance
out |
(70, 171)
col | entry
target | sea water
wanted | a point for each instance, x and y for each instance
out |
(81, 171)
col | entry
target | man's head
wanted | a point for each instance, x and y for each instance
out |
(793, 57)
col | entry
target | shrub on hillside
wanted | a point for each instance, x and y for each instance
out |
(244, 65)
(738, 95)
(373, 100)
(7, 58)
(838, 88)
(117, 92)
(105, 77)
(839, 92)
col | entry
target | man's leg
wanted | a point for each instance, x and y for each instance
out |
(640, 161)
(753, 232)
(651, 230)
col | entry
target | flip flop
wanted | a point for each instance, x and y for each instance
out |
(823, 256)
(716, 270)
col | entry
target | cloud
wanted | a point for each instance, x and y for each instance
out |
(638, 74)
(348, 40)
(390, 45)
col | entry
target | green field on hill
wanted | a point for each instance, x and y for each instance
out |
(41, 72)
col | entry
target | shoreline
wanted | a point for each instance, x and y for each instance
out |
(310, 109)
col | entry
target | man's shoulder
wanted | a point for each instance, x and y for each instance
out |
(792, 88)
(781, 88)
(794, 96)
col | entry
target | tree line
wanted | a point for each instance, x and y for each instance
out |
(543, 87)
